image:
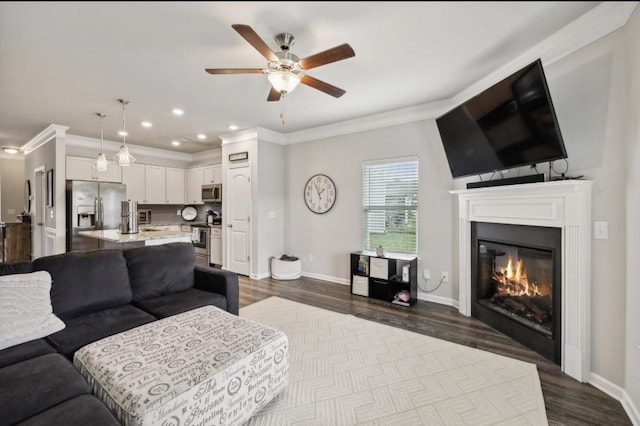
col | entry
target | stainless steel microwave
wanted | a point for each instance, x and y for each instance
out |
(212, 193)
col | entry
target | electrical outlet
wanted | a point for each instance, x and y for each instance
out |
(427, 274)
(178, 212)
(310, 258)
(445, 276)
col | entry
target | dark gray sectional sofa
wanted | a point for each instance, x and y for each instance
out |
(98, 294)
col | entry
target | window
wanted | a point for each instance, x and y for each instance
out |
(390, 205)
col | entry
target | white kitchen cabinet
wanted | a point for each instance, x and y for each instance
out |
(133, 178)
(174, 185)
(216, 246)
(155, 185)
(212, 174)
(81, 168)
(195, 180)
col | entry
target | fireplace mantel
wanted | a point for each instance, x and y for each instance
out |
(560, 204)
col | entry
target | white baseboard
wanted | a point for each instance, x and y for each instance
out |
(618, 393)
(337, 280)
(260, 276)
(438, 299)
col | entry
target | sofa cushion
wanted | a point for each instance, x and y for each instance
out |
(25, 308)
(160, 270)
(15, 268)
(176, 303)
(32, 386)
(86, 282)
(81, 410)
(88, 328)
(24, 352)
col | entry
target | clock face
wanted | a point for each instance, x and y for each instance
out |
(320, 194)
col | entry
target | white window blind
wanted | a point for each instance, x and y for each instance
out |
(390, 205)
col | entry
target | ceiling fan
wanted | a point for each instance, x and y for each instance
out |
(284, 69)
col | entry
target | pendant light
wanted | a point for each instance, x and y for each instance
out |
(101, 164)
(123, 157)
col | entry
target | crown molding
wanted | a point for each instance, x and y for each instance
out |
(83, 142)
(54, 130)
(253, 133)
(598, 22)
(376, 121)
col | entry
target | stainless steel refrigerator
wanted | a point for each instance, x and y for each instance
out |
(92, 206)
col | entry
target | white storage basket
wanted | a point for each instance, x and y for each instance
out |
(285, 269)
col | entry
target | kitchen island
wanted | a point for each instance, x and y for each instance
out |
(112, 238)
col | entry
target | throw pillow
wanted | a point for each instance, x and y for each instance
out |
(25, 308)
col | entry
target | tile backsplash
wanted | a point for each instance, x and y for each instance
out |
(161, 213)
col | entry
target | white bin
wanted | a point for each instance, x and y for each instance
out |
(285, 269)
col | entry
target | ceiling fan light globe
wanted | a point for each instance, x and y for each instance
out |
(101, 164)
(123, 157)
(283, 81)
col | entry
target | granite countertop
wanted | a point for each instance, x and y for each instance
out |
(115, 235)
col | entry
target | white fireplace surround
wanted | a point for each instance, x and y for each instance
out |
(560, 204)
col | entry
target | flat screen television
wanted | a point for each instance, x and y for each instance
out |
(510, 124)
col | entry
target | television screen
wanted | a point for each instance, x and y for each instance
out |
(510, 124)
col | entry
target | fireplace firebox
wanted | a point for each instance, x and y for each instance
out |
(515, 287)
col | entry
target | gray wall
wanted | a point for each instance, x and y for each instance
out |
(324, 242)
(632, 362)
(12, 188)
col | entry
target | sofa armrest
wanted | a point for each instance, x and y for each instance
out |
(221, 282)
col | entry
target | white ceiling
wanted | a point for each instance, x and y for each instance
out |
(61, 62)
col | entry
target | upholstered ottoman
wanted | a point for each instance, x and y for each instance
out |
(202, 367)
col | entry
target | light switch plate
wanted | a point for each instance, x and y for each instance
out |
(600, 230)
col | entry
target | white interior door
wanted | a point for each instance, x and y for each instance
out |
(238, 201)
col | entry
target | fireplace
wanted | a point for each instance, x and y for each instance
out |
(565, 205)
(515, 283)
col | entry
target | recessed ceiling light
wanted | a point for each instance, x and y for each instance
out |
(177, 111)
(233, 127)
(175, 143)
(123, 133)
(10, 150)
(202, 136)
(146, 124)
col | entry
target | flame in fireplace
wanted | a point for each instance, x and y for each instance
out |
(513, 281)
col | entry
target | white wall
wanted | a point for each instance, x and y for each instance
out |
(324, 242)
(632, 361)
(269, 216)
(12, 181)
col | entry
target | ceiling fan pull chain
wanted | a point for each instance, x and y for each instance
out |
(282, 111)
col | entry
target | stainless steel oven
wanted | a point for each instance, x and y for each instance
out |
(201, 235)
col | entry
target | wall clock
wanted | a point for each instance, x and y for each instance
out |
(320, 193)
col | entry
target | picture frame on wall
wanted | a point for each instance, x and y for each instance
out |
(49, 191)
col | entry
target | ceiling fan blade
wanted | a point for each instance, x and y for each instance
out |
(322, 86)
(235, 70)
(254, 39)
(335, 54)
(274, 95)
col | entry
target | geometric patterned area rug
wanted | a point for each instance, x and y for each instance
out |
(346, 370)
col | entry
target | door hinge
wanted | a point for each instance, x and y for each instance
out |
(248, 258)
(248, 218)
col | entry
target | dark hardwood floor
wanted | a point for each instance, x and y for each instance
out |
(568, 402)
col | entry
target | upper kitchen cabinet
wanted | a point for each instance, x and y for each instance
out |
(81, 168)
(150, 184)
(175, 185)
(155, 185)
(212, 174)
(195, 180)
(133, 177)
